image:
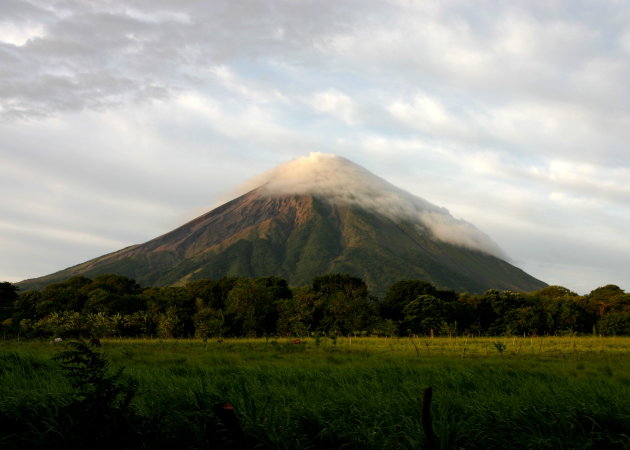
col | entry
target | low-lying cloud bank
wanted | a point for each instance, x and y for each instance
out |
(341, 181)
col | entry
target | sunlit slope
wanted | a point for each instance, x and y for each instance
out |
(298, 237)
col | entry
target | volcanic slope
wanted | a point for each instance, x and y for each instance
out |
(315, 215)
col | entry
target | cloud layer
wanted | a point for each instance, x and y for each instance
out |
(340, 181)
(120, 120)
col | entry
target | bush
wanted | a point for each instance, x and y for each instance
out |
(98, 414)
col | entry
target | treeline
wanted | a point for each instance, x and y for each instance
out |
(334, 304)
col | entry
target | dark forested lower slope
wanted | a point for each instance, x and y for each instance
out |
(298, 237)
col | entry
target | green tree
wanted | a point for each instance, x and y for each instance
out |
(108, 302)
(25, 306)
(252, 306)
(99, 414)
(8, 295)
(297, 314)
(209, 323)
(335, 282)
(402, 293)
(343, 304)
(141, 323)
(168, 324)
(505, 307)
(464, 314)
(531, 319)
(65, 296)
(114, 284)
(100, 300)
(213, 293)
(176, 299)
(605, 298)
(426, 314)
(614, 323)
(64, 324)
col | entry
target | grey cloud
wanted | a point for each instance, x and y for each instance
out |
(165, 44)
(507, 53)
(102, 54)
(22, 11)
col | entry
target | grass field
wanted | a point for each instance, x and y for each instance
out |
(568, 392)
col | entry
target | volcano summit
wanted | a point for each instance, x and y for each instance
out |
(315, 215)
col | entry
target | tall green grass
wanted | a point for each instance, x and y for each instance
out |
(543, 393)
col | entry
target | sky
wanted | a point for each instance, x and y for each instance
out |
(121, 120)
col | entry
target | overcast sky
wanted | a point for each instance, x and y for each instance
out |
(120, 120)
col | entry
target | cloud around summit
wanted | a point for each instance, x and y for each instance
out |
(340, 181)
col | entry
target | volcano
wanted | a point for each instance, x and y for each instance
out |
(315, 215)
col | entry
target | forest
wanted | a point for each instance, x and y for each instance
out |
(332, 305)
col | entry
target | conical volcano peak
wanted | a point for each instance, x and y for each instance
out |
(315, 215)
(338, 180)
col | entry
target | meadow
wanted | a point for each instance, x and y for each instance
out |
(361, 392)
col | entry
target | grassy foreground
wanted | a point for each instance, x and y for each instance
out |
(570, 392)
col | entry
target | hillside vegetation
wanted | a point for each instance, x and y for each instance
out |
(332, 305)
(297, 238)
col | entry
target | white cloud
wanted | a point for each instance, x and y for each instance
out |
(21, 34)
(69, 237)
(424, 112)
(340, 181)
(237, 84)
(624, 42)
(199, 104)
(335, 103)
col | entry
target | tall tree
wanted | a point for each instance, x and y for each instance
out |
(25, 307)
(605, 298)
(298, 315)
(67, 295)
(343, 303)
(8, 295)
(115, 284)
(426, 314)
(400, 294)
(253, 304)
